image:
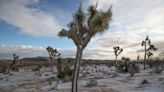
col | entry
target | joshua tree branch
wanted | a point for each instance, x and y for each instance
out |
(64, 33)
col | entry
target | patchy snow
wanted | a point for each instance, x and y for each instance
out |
(106, 77)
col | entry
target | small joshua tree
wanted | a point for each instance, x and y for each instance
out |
(14, 63)
(123, 66)
(81, 30)
(138, 59)
(117, 51)
(146, 42)
(53, 54)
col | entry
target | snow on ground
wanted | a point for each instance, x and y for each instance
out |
(108, 80)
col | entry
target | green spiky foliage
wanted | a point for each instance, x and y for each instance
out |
(82, 29)
(148, 50)
(53, 53)
(149, 54)
(13, 65)
(117, 52)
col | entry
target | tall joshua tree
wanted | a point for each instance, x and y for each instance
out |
(82, 29)
(117, 51)
(146, 42)
(53, 54)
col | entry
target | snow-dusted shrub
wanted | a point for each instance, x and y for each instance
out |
(158, 69)
(91, 83)
(36, 68)
(145, 81)
(157, 66)
(3, 69)
(64, 70)
(114, 75)
(128, 67)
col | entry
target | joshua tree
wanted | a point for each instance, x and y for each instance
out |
(151, 47)
(126, 63)
(117, 51)
(53, 54)
(13, 64)
(82, 29)
(138, 59)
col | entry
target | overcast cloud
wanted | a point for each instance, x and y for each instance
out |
(132, 21)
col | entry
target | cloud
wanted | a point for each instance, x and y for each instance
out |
(29, 20)
(30, 51)
(132, 21)
(22, 51)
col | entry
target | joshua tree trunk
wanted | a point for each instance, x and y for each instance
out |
(50, 62)
(116, 60)
(145, 58)
(76, 69)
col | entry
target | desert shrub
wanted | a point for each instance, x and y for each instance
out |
(122, 67)
(3, 69)
(157, 65)
(60, 75)
(91, 83)
(64, 70)
(134, 67)
(158, 68)
(145, 81)
(37, 68)
(150, 64)
(128, 67)
(15, 68)
(114, 75)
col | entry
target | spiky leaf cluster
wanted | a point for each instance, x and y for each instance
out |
(53, 52)
(15, 59)
(84, 26)
(149, 54)
(150, 48)
(117, 50)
